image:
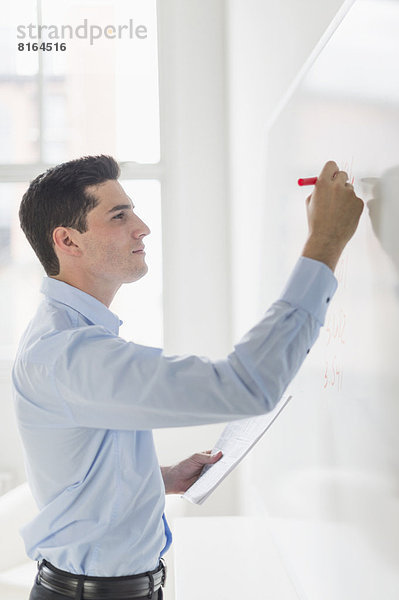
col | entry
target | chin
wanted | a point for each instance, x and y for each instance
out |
(137, 275)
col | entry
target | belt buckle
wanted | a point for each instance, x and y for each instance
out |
(164, 569)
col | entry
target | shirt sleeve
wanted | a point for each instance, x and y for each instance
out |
(106, 382)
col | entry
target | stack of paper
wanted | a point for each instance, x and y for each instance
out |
(237, 439)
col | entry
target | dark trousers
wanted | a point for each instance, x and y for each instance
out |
(39, 592)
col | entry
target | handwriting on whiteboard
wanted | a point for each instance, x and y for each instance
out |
(333, 373)
(335, 326)
(335, 329)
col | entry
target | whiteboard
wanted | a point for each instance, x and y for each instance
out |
(334, 455)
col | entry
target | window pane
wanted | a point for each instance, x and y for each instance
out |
(137, 95)
(101, 94)
(139, 304)
(19, 121)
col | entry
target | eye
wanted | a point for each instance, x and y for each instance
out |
(119, 216)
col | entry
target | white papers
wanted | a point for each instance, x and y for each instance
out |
(236, 440)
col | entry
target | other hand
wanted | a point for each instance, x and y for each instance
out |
(180, 477)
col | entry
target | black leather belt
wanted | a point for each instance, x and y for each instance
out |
(101, 588)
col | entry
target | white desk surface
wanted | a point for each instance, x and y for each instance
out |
(228, 558)
(234, 558)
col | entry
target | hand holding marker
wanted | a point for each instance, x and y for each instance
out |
(311, 180)
(333, 212)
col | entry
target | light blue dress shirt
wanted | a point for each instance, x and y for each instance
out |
(86, 401)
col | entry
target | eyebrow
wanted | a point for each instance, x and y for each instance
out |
(120, 207)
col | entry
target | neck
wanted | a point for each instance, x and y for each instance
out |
(95, 288)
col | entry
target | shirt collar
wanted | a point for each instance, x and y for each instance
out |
(86, 305)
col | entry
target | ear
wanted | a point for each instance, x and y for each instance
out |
(65, 240)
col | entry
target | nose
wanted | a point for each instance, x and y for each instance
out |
(140, 229)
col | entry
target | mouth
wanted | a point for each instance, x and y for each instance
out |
(139, 251)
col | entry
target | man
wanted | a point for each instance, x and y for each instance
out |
(87, 400)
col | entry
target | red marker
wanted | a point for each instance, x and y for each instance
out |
(307, 181)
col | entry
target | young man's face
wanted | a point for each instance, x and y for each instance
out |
(113, 244)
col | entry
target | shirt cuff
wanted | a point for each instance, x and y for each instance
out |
(311, 286)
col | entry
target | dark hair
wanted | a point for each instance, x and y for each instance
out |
(57, 198)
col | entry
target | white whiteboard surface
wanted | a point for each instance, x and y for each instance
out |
(334, 454)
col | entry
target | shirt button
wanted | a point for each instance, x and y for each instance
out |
(328, 300)
(307, 352)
